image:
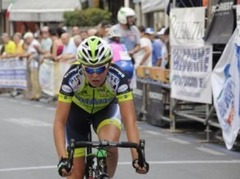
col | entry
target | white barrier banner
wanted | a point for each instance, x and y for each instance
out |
(187, 26)
(191, 69)
(13, 73)
(225, 86)
(50, 76)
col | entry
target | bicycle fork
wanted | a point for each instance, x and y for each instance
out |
(96, 165)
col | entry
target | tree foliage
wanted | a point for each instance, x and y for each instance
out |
(86, 17)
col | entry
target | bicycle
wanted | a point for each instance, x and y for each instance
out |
(96, 166)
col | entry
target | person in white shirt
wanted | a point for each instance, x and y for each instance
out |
(143, 57)
(32, 56)
(161, 40)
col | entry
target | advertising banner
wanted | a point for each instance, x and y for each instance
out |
(13, 73)
(222, 24)
(187, 26)
(50, 76)
(191, 69)
(225, 86)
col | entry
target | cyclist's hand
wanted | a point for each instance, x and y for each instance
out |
(64, 167)
(139, 169)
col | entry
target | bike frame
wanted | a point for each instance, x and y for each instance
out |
(101, 168)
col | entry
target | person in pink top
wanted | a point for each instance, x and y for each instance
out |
(120, 54)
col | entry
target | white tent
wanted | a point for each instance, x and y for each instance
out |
(153, 5)
(41, 10)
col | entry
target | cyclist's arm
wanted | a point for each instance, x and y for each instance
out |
(127, 110)
(59, 127)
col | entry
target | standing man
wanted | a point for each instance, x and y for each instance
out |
(69, 48)
(130, 35)
(156, 47)
(45, 42)
(32, 55)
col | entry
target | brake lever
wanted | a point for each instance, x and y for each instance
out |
(141, 155)
(70, 150)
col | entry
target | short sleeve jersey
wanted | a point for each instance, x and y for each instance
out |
(76, 88)
(129, 37)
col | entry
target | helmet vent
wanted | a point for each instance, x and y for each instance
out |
(101, 51)
(90, 53)
(85, 53)
(96, 52)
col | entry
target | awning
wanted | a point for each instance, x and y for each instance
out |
(153, 5)
(5, 4)
(41, 10)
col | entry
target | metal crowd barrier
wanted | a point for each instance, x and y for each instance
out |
(155, 106)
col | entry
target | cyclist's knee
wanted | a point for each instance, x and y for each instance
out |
(109, 132)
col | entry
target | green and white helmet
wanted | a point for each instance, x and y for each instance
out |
(94, 51)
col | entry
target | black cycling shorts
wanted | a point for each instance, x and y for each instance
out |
(77, 126)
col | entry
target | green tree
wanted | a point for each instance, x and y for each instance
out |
(86, 17)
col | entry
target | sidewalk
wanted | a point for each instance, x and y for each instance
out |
(22, 96)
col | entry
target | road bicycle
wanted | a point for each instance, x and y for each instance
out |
(96, 166)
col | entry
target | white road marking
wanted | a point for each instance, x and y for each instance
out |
(187, 162)
(153, 132)
(26, 122)
(25, 103)
(51, 109)
(178, 140)
(37, 106)
(130, 163)
(210, 151)
(28, 168)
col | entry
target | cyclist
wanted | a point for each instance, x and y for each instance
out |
(97, 90)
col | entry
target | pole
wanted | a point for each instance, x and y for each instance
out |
(1, 6)
(126, 3)
(174, 3)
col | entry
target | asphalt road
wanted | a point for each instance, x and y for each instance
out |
(27, 149)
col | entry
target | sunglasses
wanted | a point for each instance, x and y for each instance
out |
(97, 70)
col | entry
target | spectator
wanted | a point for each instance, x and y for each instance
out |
(75, 31)
(17, 38)
(143, 57)
(69, 48)
(92, 32)
(161, 39)
(46, 42)
(144, 54)
(9, 46)
(57, 47)
(103, 30)
(156, 47)
(83, 34)
(32, 56)
(77, 40)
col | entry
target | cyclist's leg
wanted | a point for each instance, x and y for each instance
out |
(77, 129)
(78, 169)
(108, 127)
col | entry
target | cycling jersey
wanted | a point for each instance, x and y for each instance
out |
(76, 88)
